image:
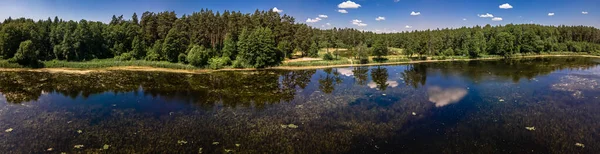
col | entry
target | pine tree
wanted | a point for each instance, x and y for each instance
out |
(229, 47)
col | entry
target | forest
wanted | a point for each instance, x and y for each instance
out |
(208, 39)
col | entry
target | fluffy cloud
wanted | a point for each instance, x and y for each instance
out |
(380, 18)
(413, 13)
(464, 19)
(323, 16)
(584, 12)
(396, 0)
(277, 10)
(309, 20)
(342, 11)
(407, 26)
(348, 5)
(551, 14)
(487, 15)
(328, 24)
(505, 6)
(496, 19)
(358, 23)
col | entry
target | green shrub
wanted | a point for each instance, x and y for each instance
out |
(218, 63)
(125, 56)
(198, 56)
(182, 58)
(328, 56)
(237, 64)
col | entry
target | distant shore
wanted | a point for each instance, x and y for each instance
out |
(119, 67)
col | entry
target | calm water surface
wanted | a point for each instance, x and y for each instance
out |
(543, 105)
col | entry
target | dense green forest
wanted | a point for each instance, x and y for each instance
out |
(263, 39)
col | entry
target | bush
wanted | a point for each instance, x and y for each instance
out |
(363, 61)
(328, 56)
(152, 54)
(237, 64)
(198, 56)
(125, 56)
(218, 63)
(26, 54)
(182, 58)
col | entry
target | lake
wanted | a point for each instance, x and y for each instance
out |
(534, 105)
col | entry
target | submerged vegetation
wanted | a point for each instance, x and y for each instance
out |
(208, 39)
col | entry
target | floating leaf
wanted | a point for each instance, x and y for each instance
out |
(237, 145)
(78, 146)
(49, 149)
(501, 100)
(580, 145)
(530, 128)
(8, 130)
(181, 142)
(79, 131)
(414, 113)
(106, 146)
(215, 143)
(293, 126)
(284, 126)
(228, 150)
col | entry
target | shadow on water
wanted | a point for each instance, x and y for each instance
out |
(446, 107)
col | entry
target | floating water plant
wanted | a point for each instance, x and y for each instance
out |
(530, 128)
(106, 146)
(580, 145)
(292, 126)
(78, 146)
(8, 130)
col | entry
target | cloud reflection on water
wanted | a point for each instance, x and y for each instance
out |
(442, 97)
(392, 84)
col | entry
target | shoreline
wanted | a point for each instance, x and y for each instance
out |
(200, 71)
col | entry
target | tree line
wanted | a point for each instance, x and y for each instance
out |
(262, 39)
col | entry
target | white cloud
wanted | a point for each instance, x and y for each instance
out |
(328, 24)
(505, 6)
(277, 10)
(348, 5)
(309, 20)
(496, 19)
(342, 11)
(396, 0)
(551, 14)
(358, 23)
(486, 15)
(413, 13)
(323, 16)
(464, 19)
(407, 26)
(584, 12)
(380, 18)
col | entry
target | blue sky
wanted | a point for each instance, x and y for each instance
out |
(397, 13)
